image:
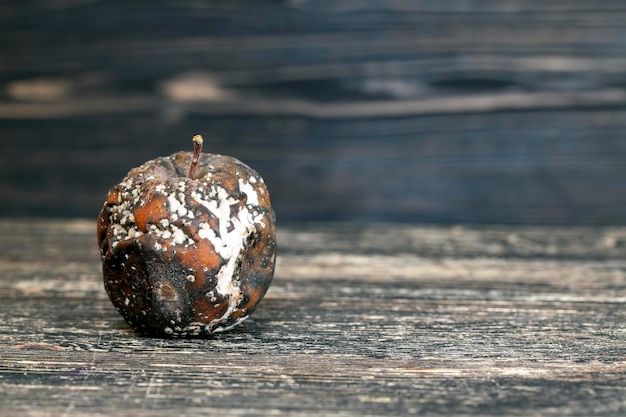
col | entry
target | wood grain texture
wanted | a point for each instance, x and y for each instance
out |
(417, 111)
(360, 320)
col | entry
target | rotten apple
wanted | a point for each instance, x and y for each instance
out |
(188, 244)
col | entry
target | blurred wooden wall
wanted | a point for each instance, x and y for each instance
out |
(502, 111)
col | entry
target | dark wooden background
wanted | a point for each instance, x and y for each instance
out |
(503, 111)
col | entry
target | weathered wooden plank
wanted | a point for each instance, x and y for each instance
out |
(376, 320)
(503, 167)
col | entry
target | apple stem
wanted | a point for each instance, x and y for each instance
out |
(197, 149)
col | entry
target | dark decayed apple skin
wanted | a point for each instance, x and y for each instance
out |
(187, 257)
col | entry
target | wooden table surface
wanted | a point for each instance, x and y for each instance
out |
(360, 320)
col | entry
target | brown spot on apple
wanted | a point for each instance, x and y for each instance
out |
(152, 212)
(166, 292)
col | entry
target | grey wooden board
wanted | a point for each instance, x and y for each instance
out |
(419, 111)
(360, 320)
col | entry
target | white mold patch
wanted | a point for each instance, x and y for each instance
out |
(177, 235)
(234, 229)
(131, 196)
(248, 190)
(176, 206)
